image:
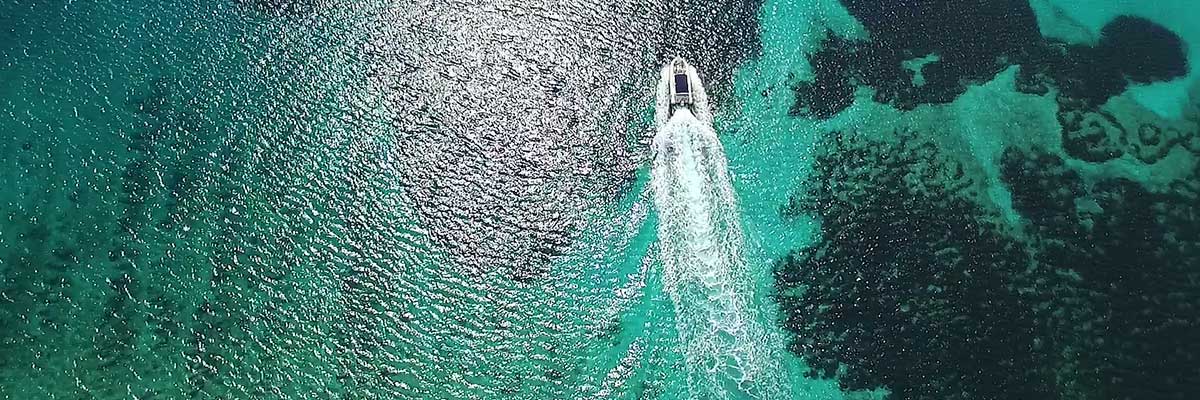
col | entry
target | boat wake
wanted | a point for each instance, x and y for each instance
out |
(725, 344)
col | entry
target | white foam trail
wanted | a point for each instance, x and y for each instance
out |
(724, 342)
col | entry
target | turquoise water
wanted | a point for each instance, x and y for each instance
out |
(466, 200)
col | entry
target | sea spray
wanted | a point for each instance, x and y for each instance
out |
(725, 343)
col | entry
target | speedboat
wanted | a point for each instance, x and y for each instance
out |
(681, 85)
(679, 88)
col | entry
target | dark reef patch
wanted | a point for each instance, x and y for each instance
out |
(831, 90)
(1145, 51)
(1095, 134)
(1090, 135)
(1128, 293)
(911, 289)
(1131, 49)
(918, 287)
(973, 42)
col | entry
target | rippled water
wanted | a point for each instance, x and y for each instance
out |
(465, 200)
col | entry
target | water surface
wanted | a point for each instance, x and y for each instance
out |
(464, 200)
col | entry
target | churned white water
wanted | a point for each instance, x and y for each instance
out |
(723, 340)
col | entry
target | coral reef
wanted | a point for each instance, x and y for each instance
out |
(917, 287)
(830, 90)
(1143, 50)
(912, 288)
(1096, 281)
(1091, 135)
(1126, 295)
(971, 45)
(970, 42)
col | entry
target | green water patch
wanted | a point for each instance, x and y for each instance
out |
(622, 340)
(195, 243)
(232, 199)
(769, 151)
